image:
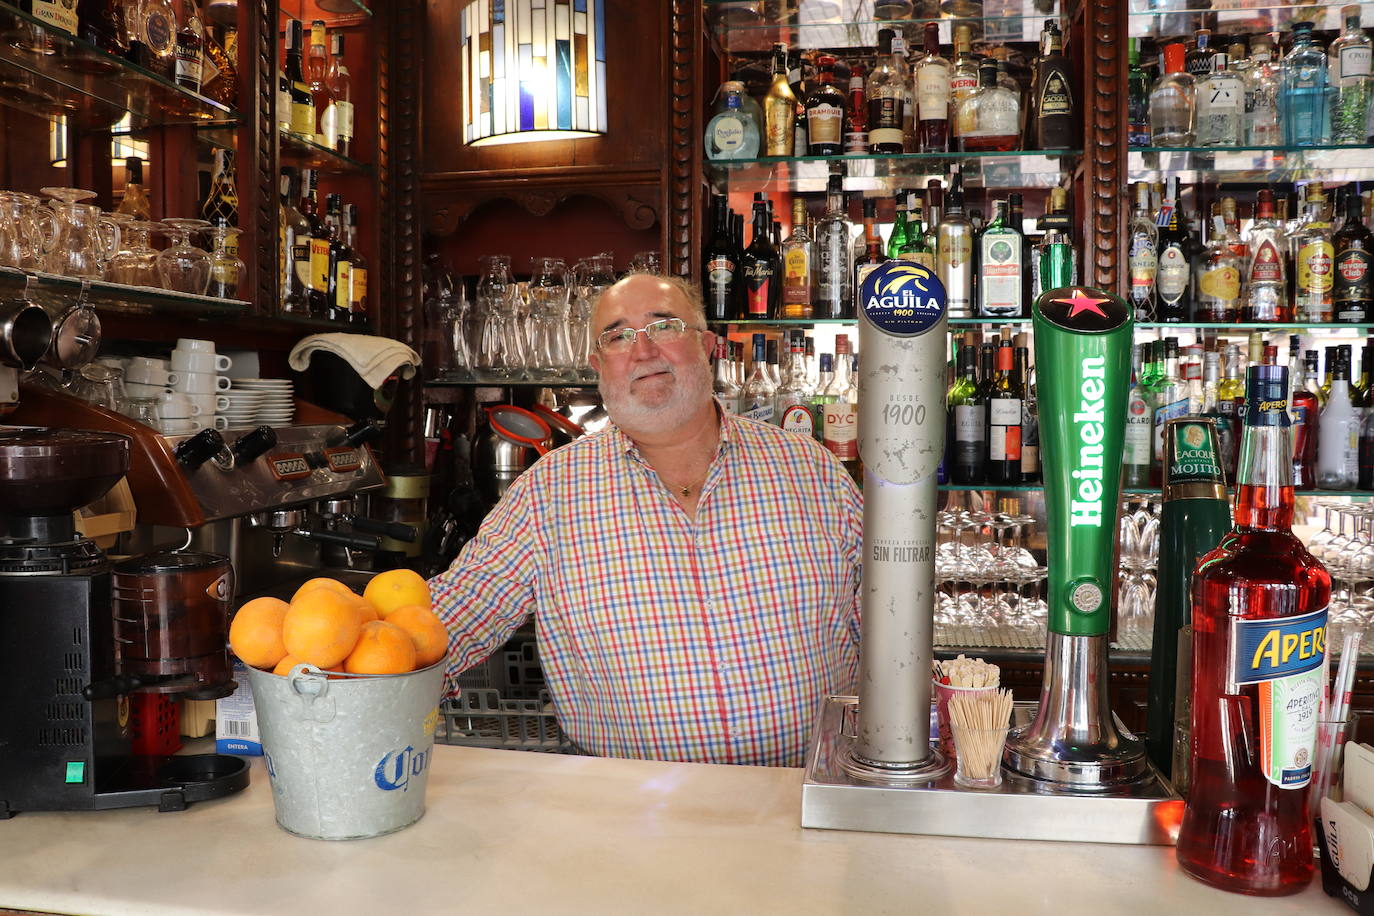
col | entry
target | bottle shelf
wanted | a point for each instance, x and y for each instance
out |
(319, 324)
(1125, 491)
(1256, 326)
(305, 153)
(507, 383)
(331, 11)
(808, 322)
(52, 74)
(884, 173)
(1251, 165)
(745, 26)
(1167, 20)
(61, 293)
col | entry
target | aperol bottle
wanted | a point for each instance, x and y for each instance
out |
(1259, 637)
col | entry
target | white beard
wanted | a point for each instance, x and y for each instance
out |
(636, 415)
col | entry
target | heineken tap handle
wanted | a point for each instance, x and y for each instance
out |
(1083, 365)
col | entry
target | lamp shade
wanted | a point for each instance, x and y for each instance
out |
(532, 70)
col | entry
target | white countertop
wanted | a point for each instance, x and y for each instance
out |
(530, 833)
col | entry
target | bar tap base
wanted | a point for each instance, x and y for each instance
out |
(1144, 812)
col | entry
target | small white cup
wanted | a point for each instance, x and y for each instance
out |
(195, 344)
(201, 383)
(149, 375)
(194, 361)
(175, 405)
(221, 423)
(140, 390)
(208, 404)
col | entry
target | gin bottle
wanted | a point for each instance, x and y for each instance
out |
(833, 296)
(1142, 260)
(1172, 102)
(759, 392)
(1220, 104)
(1348, 63)
(1304, 109)
(1262, 96)
(1137, 100)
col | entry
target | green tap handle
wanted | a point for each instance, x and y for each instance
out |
(1083, 376)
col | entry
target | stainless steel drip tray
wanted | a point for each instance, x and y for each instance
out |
(1146, 812)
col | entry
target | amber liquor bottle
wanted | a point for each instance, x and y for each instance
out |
(1259, 634)
(1053, 99)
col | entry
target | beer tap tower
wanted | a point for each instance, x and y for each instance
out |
(1071, 772)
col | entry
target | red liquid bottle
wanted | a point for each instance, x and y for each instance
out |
(1259, 637)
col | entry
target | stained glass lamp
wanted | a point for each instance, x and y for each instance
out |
(533, 70)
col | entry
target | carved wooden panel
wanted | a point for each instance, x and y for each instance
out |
(636, 198)
(257, 150)
(1104, 147)
(684, 163)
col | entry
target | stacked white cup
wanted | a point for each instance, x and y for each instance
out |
(147, 377)
(196, 369)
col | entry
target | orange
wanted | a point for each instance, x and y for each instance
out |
(256, 633)
(382, 648)
(321, 627)
(396, 588)
(425, 629)
(365, 607)
(286, 664)
(334, 585)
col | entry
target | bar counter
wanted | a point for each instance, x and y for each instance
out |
(520, 832)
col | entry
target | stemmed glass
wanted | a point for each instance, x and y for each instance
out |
(183, 267)
(135, 263)
(226, 268)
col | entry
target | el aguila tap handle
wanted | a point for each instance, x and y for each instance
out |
(1083, 373)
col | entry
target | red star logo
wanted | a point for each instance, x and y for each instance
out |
(1082, 302)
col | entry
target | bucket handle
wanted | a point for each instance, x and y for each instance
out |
(311, 686)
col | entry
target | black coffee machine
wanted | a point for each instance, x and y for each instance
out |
(65, 726)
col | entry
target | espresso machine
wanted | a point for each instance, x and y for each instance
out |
(1070, 771)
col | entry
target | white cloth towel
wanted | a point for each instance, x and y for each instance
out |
(373, 358)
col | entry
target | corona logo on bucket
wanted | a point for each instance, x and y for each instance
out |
(394, 770)
(902, 298)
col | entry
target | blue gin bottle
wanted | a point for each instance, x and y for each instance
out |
(1304, 92)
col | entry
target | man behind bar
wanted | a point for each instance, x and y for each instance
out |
(693, 575)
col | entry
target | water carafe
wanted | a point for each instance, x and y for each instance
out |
(591, 277)
(551, 353)
(498, 352)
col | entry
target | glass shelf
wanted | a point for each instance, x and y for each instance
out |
(309, 154)
(751, 25)
(61, 293)
(1029, 169)
(319, 324)
(851, 322)
(513, 383)
(1246, 326)
(49, 73)
(1252, 165)
(1125, 491)
(330, 11)
(1168, 18)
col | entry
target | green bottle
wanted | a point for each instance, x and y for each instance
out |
(1193, 520)
(897, 240)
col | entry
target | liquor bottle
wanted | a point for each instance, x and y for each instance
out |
(1139, 438)
(1000, 267)
(1142, 258)
(1324, 391)
(1220, 106)
(1168, 399)
(967, 421)
(779, 108)
(1055, 122)
(294, 255)
(1137, 100)
(1266, 283)
(896, 240)
(758, 395)
(723, 383)
(720, 280)
(221, 205)
(915, 249)
(336, 123)
(1313, 260)
(824, 376)
(302, 104)
(1030, 419)
(932, 75)
(1247, 826)
(825, 112)
(153, 36)
(134, 202)
(1305, 419)
(1055, 264)
(1262, 97)
(1173, 279)
(1218, 284)
(988, 120)
(1199, 60)
(338, 282)
(357, 288)
(873, 248)
(731, 132)
(954, 250)
(1004, 419)
(317, 74)
(963, 76)
(188, 72)
(856, 114)
(1348, 68)
(1173, 102)
(1338, 445)
(317, 285)
(935, 212)
(886, 95)
(1193, 519)
(841, 424)
(792, 410)
(834, 297)
(1352, 291)
(99, 22)
(219, 75)
(1304, 110)
(798, 266)
(1222, 415)
(760, 267)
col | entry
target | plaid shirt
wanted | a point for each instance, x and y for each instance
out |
(663, 637)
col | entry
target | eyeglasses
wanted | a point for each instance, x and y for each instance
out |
(661, 332)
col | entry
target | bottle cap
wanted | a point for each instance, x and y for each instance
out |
(1173, 57)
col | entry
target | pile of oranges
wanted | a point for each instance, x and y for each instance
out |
(389, 629)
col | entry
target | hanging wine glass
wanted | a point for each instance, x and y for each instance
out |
(136, 261)
(182, 267)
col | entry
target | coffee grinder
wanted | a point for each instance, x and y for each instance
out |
(66, 728)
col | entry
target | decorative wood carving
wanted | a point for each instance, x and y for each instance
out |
(257, 144)
(685, 40)
(1104, 147)
(637, 204)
